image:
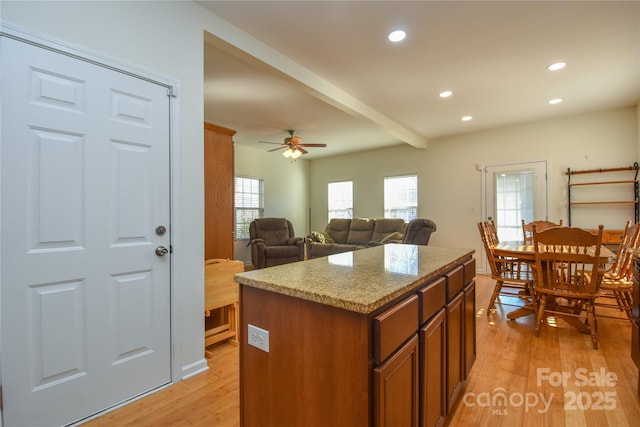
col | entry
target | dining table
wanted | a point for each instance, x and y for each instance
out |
(526, 252)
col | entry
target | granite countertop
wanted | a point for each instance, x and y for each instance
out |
(360, 281)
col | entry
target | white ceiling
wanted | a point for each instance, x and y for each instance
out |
(326, 69)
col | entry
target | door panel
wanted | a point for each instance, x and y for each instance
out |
(85, 181)
(520, 203)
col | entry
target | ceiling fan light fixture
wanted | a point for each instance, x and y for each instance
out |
(292, 153)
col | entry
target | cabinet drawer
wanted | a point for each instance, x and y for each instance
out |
(432, 298)
(393, 327)
(455, 282)
(469, 270)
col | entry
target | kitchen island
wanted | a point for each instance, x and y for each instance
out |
(383, 336)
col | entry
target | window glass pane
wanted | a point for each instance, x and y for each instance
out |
(340, 199)
(249, 204)
(401, 197)
(514, 198)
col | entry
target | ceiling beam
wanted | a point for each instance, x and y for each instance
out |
(236, 42)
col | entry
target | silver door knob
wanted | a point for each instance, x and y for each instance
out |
(161, 251)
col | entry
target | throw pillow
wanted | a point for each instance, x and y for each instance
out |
(395, 236)
(328, 238)
(318, 236)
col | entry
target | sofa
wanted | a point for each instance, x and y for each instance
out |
(343, 235)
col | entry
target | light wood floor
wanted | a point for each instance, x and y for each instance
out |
(508, 363)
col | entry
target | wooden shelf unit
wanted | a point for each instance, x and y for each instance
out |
(615, 234)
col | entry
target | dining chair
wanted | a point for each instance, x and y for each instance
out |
(513, 276)
(527, 228)
(569, 273)
(491, 231)
(616, 281)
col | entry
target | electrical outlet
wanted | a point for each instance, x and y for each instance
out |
(258, 338)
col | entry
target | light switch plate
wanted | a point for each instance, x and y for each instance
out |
(258, 338)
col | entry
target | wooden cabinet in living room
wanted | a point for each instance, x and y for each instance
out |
(221, 292)
(218, 192)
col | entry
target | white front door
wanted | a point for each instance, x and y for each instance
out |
(85, 300)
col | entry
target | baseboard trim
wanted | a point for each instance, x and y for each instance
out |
(194, 368)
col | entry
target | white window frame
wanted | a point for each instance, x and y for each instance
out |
(340, 208)
(403, 202)
(243, 215)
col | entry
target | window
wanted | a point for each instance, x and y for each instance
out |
(401, 197)
(340, 199)
(249, 204)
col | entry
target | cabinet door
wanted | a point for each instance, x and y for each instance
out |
(455, 349)
(218, 192)
(433, 372)
(469, 327)
(395, 385)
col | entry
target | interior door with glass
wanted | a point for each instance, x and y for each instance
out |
(515, 192)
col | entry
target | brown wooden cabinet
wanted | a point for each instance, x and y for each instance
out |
(403, 364)
(433, 375)
(455, 349)
(395, 388)
(218, 192)
(469, 327)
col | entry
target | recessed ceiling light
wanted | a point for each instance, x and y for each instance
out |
(466, 118)
(555, 101)
(396, 36)
(445, 94)
(557, 66)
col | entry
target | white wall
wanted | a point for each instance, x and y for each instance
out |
(449, 184)
(164, 38)
(286, 189)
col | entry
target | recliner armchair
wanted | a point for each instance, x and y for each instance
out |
(418, 231)
(273, 242)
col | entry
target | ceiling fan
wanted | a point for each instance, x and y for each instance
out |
(293, 144)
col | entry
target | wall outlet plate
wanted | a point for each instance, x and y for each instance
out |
(258, 338)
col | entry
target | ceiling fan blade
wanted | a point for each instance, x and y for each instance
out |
(275, 149)
(312, 145)
(302, 150)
